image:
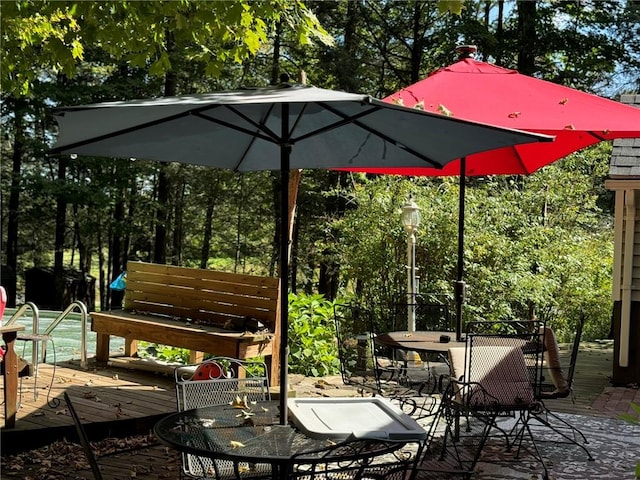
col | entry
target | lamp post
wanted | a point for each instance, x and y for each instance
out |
(411, 221)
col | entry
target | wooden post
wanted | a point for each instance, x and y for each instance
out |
(9, 335)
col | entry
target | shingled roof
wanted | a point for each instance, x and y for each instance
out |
(625, 157)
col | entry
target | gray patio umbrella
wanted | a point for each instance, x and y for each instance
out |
(277, 128)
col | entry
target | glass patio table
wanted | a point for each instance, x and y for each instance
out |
(254, 436)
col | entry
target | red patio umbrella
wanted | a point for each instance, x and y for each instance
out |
(482, 92)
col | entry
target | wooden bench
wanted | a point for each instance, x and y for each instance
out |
(190, 308)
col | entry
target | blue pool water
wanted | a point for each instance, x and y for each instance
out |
(66, 336)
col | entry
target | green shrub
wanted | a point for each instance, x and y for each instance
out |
(165, 353)
(312, 339)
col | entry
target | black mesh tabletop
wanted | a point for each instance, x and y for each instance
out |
(253, 434)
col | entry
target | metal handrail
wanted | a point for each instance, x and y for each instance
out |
(84, 315)
(77, 304)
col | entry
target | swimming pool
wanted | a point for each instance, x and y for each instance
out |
(67, 336)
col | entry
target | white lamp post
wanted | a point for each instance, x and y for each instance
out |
(411, 221)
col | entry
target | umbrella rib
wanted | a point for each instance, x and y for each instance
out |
(270, 137)
(254, 135)
(353, 120)
(117, 133)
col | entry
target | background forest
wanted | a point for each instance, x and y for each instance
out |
(535, 245)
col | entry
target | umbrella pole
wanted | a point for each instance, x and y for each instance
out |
(460, 285)
(285, 152)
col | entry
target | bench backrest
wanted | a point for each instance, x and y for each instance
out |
(205, 296)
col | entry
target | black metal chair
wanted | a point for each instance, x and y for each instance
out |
(559, 387)
(360, 362)
(84, 440)
(86, 445)
(495, 375)
(431, 311)
(221, 381)
(371, 368)
(356, 460)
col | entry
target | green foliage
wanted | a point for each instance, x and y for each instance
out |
(532, 246)
(55, 35)
(165, 353)
(312, 340)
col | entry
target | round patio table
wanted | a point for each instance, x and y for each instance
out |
(224, 432)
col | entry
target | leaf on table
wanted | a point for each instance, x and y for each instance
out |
(240, 402)
(235, 444)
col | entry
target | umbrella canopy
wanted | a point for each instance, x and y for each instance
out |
(278, 128)
(483, 92)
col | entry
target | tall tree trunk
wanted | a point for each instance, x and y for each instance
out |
(416, 49)
(329, 275)
(275, 256)
(275, 58)
(208, 222)
(116, 248)
(160, 247)
(59, 241)
(178, 224)
(126, 246)
(9, 278)
(238, 249)
(105, 304)
(500, 31)
(527, 14)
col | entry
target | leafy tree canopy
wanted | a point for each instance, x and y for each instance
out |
(51, 37)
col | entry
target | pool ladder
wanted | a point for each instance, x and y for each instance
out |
(35, 315)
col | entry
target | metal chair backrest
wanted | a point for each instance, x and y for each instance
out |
(84, 440)
(431, 313)
(356, 349)
(500, 366)
(220, 381)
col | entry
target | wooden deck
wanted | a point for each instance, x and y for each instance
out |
(118, 401)
(111, 402)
